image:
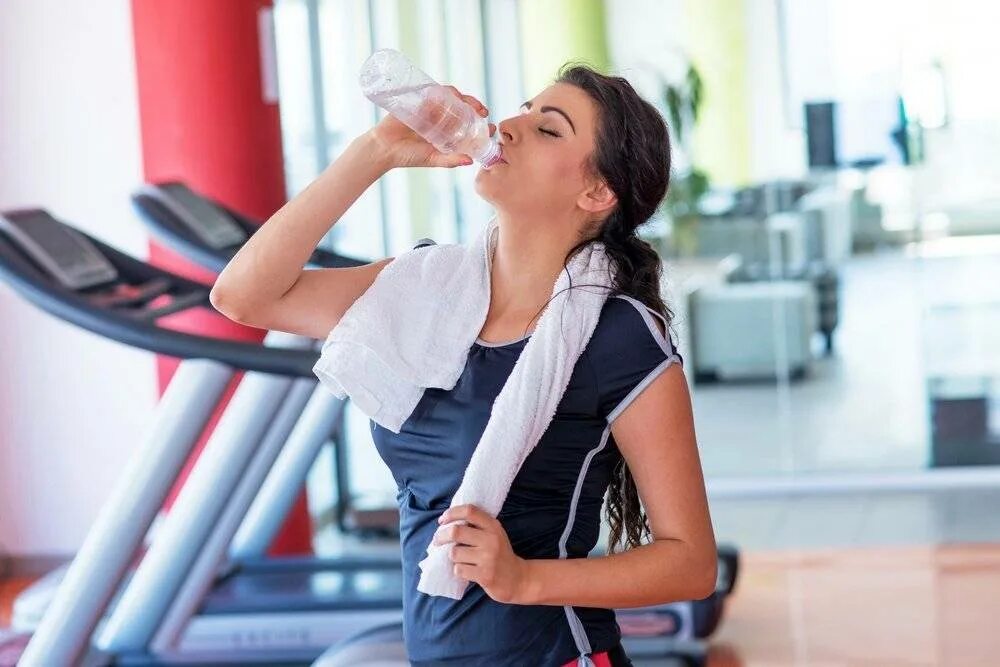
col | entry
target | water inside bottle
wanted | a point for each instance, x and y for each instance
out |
(387, 96)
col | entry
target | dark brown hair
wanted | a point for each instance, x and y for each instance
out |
(632, 155)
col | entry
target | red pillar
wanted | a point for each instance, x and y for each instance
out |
(207, 119)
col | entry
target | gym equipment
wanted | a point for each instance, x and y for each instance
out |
(786, 230)
(184, 602)
(824, 279)
(774, 323)
(209, 234)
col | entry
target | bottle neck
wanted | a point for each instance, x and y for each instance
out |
(491, 155)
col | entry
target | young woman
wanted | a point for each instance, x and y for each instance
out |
(587, 159)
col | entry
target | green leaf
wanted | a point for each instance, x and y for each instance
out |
(674, 102)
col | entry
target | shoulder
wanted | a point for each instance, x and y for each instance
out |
(629, 348)
(625, 321)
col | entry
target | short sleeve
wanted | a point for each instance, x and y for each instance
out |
(628, 351)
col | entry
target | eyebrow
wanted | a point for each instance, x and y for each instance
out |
(556, 109)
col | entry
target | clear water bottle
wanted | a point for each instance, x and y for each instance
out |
(389, 79)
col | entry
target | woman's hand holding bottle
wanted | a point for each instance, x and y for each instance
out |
(398, 145)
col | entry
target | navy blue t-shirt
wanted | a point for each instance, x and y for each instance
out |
(554, 505)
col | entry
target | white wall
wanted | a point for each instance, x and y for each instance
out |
(72, 406)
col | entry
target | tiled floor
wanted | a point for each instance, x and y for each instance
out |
(891, 606)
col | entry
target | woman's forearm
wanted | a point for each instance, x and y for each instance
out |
(656, 573)
(270, 262)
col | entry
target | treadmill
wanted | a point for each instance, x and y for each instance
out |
(209, 234)
(186, 601)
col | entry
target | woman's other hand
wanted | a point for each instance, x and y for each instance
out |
(482, 553)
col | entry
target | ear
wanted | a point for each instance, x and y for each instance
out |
(597, 198)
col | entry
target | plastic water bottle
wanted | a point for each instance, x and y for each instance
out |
(389, 79)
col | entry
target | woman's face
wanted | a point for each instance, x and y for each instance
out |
(546, 147)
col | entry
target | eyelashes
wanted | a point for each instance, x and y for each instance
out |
(523, 111)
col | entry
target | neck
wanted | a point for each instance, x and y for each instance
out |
(527, 261)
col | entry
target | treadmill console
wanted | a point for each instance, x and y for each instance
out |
(201, 216)
(65, 254)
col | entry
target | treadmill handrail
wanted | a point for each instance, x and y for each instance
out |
(135, 331)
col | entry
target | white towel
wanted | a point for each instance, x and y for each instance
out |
(413, 328)
(410, 330)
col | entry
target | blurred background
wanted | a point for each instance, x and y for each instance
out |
(830, 243)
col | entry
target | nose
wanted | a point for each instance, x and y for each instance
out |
(505, 135)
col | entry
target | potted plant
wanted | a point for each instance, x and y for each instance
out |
(682, 98)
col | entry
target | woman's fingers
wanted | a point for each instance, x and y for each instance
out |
(464, 555)
(476, 104)
(459, 534)
(451, 160)
(459, 159)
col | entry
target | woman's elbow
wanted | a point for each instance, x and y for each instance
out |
(224, 301)
(704, 573)
(708, 575)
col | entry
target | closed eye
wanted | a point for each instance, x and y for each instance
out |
(549, 132)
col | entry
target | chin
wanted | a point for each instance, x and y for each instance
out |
(485, 190)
